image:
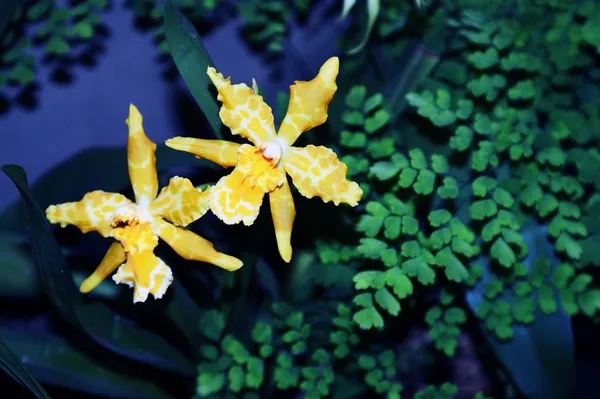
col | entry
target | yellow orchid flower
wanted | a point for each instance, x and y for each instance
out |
(137, 226)
(262, 168)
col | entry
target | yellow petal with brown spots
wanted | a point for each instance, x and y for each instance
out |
(309, 102)
(180, 202)
(232, 201)
(244, 112)
(114, 257)
(283, 212)
(193, 247)
(221, 152)
(146, 274)
(316, 171)
(141, 159)
(93, 213)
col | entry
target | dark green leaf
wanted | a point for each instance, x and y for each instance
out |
(11, 365)
(418, 64)
(192, 61)
(54, 361)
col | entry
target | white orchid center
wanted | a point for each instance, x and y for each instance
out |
(273, 150)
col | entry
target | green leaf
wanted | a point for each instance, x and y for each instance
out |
(411, 249)
(482, 185)
(387, 301)
(57, 45)
(483, 209)
(380, 119)
(407, 177)
(236, 379)
(417, 267)
(462, 139)
(425, 183)
(410, 225)
(546, 205)
(532, 194)
(373, 102)
(96, 320)
(439, 164)
(590, 302)
(523, 310)
(382, 148)
(449, 188)
(192, 61)
(212, 325)
(369, 279)
(356, 96)
(417, 159)
(455, 270)
(56, 362)
(368, 318)
(484, 60)
(353, 140)
(465, 108)
(400, 283)
(392, 227)
(353, 118)
(235, 349)
(523, 90)
(83, 29)
(371, 248)
(568, 245)
(503, 253)
(210, 383)
(11, 365)
(370, 225)
(365, 300)
(503, 197)
(384, 170)
(439, 217)
(487, 86)
(455, 315)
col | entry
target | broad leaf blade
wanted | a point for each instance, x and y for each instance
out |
(11, 364)
(20, 279)
(540, 357)
(417, 63)
(94, 319)
(54, 361)
(192, 61)
(372, 14)
(55, 277)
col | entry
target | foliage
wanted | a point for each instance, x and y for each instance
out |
(61, 29)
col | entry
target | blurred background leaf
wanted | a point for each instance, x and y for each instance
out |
(540, 357)
(55, 361)
(11, 364)
(8, 9)
(192, 61)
